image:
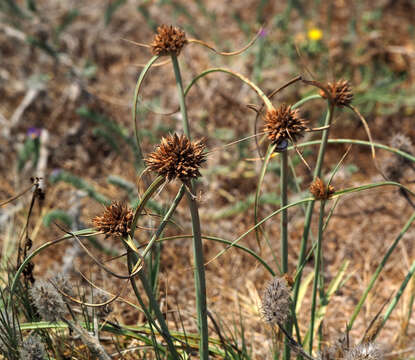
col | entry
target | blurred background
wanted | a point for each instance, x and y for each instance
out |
(68, 70)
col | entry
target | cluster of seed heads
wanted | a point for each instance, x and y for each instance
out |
(169, 40)
(276, 302)
(116, 220)
(284, 124)
(177, 157)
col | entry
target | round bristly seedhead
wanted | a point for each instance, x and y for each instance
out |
(340, 91)
(279, 122)
(369, 351)
(48, 301)
(177, 157)
(169, 40)
(402, 142)
(116, 220)
(321, 191)
(32, 348)
(276, 302)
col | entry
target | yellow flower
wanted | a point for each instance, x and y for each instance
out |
(315, 34)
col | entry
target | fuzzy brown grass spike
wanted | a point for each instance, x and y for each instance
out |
(284, 123)
(321, 191)
(177, 157)
(169, 40)
(116, 220)
(340, 91)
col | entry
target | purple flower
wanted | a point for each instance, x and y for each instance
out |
(263, 33)
(34, 132)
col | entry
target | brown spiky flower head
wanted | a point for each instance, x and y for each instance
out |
(340, 91)
(283, 124)
(116, 220)
(321, 191)
(169, 40)
(177, 157)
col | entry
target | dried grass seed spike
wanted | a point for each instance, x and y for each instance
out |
(341, 92)
(177, 157)
(169, 40)
(116, 220)
(321, 191)
(276, 302)
(279, 122)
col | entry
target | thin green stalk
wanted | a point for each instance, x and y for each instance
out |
(358, 142)
(227, 242)
(317, 262)
(135, 99)
(132, 259)
(260, 93)
(165, 220)
(200, 282)
(310, 205)
(143, 201)
(378, 270)
(199, 278)
(284, 215)
(398, 294)
(284, 237)
(182, 100)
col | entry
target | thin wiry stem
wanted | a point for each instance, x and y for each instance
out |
(398, 294)
(378, 270)
(310, 205)
(284, 214)
(200, 282)
(317, 261)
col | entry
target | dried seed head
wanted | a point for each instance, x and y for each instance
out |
(341, 92)
(177, 157)
(279, 122)
(321, 191)
(402, 142)
(276, 302)
(99, 298)
(116, 220)
(335, 351)
(48, 302)
(32, 349)
(168, 40)
(369, 351)
(61, 282)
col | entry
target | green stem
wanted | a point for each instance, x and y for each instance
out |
(143, 201)
(284, 215)
(378, 270)
(317, 263)
(226, 242)
(260, 93)
(165, 220)
(398, 294)
(182, 100)
(199, 277)
(200, 282)
(358, 142)
(132, 259)
(310, 205)
(135, 100)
